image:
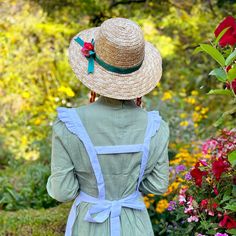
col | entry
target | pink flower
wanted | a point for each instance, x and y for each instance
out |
(208, 145)
(182, 199)
(182, 196)
(203, 162)
(192, 218)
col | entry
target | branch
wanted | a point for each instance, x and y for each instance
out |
(114, 3)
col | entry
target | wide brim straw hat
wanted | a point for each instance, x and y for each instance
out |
(121, 65)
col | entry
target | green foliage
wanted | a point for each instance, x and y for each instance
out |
(43, 222)
(214, 53)
(25, 187)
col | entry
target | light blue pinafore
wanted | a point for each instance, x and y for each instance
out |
(101, 208)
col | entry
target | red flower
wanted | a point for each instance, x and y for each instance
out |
(204, 203)
(227, 222)
(227, 68)
(214, 205)
(197, 174)
(86, 48)
(216, 191)
(233, 84)
(229, 38)
(218, 167)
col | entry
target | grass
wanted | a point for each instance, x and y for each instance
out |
(31, 222)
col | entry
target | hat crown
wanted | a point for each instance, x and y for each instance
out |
(120, 42)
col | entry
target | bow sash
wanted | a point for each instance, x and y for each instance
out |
(103, 209)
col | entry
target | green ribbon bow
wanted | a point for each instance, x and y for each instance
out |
(92, 56)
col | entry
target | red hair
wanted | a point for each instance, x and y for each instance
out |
(93, 97)
(139, 101)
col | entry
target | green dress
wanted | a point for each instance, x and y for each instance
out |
(108, 122)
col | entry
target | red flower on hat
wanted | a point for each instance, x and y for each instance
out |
(229, 38)
(86, 48)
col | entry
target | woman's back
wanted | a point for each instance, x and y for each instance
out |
(109, 122)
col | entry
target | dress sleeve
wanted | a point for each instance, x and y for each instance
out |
(156, 176)
(62, 184)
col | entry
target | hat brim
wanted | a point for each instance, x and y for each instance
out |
(114, 85)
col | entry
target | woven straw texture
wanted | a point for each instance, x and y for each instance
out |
(118, 42)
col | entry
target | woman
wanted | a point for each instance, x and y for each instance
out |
(105, 154)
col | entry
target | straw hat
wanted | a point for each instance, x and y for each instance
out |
(114, 60)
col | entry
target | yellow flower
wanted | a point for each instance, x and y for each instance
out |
(196, 117)
(182, 94)
(37, 121)
(146, 201)
(204, 110)
(197, 108)
(24, 140)
(183, 115)
(25, 94)
(161, 206)
(184, 123)
(67, 90)
(167, 96)
(194, 93)
(190, 100)
(154, 93)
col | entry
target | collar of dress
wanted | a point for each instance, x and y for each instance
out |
(115, 102)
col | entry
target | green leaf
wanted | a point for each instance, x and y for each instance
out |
(231, 207)
(232, 74)
(225, 199)
(219, 73)
(221, 35)
(211, 232)
(232, 158)
(231, 231)
(234, 191)
(197, 50)
(220, 92)
(214, 53)
(230, 58)
(225, 114)
(219, 121)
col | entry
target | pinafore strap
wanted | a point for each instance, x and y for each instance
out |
(102, 207)
(73, 122)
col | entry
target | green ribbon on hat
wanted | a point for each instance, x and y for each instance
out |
(92, 56)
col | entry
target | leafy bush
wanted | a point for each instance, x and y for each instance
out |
(43, 222)
(25, 187)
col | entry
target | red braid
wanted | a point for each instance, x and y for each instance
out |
(139, 101)
(92, 97)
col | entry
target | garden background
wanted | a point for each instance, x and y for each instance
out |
(36, 78)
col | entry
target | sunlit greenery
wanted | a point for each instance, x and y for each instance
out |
(35, 78)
